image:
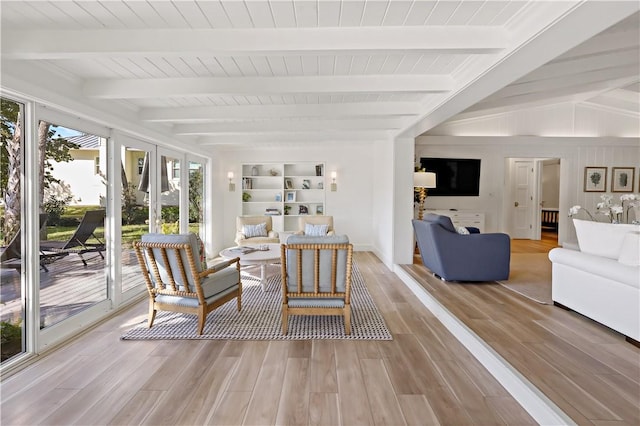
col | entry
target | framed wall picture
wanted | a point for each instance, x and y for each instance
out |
(622, 179)
(288, 183)
(290, 196)
(595, 179)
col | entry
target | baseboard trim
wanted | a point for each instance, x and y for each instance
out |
(538, 405)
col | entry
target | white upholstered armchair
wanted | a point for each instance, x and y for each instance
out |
(315, 225)
(255, 230)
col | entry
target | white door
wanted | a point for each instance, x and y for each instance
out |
(522, 185)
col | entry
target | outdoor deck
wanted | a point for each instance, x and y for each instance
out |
(66, 289)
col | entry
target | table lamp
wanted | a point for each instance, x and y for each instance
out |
(422, 181)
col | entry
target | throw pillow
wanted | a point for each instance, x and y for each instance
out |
(462, 230)
(630, 249)
(316, 230)
(251, 231)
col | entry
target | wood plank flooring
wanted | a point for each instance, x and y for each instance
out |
(424, 376)
(586, 369)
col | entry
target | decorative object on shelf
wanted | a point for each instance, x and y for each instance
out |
(255, 171)
(422, 181)
(232, 186)
(622, 179)
(287, 209)
(290, 196)
(272, 212)
(273, 172)
(278, 197)
(320, 185)
(306, 184)
(318, 169)
(247, 183)
(246, 196)
(319, 210)
(595, 179)
(302, 209)
(288, 183)
(334, 185)
(616, 213)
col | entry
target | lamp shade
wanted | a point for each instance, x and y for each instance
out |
(424, 180)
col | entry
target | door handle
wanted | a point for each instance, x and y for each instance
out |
(516, 204)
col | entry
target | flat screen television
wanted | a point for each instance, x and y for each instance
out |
(454, 176)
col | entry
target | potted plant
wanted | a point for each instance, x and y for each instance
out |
(287, 209)
(246, 196)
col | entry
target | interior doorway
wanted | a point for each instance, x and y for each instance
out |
(532, 197)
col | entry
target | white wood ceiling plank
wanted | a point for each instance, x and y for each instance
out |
(391, 64)
(605, 43)
(463, 14)
(16, 15)
(228, 99)
(213, 66)
(182, 66)
(124, 14)
(313, 136)
(276, 100)
(329, 13)
(261, 64)
(397, 13)
(197, 67)
(374, 13)
(420, 12)
(277, 65)
(294, 65)
(104, 16)
(55, 14)
(192, 14)
(300, 99)
(265, 100)
(229, 66)
(241, 100)
(424, 64)
(165, 69)
(326, 64)
(81, 17)
(85, 69)
(324, 99)
(306, 14)
(310, 65)
(283, 14)
(288, 99)
(442, 12)
(487, 12)
(146, 12)
(359, 64)
(260, 14)
(511, 10)
(342, 65)
(375, 64)
(237, 13)
(455, 61)
(215, 14)
(351, 15)
(408, 63)
(245, 65)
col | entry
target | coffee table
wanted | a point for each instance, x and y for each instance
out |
(258, 257)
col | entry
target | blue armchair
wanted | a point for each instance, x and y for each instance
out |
(456, 257)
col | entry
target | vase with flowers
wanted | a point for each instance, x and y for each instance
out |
(614, 212)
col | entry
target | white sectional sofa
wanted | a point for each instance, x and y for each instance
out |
(601, 280)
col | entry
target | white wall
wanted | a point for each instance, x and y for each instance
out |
(575, 153)
(352, 205)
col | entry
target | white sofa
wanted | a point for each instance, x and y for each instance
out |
(601, 280)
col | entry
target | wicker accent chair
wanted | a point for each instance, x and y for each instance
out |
(315, 220)
(242, 239)
(177, 281)
(316, 277)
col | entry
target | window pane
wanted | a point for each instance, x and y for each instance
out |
(73, 195)
(11, 297)
(196, 198)
(170, 195)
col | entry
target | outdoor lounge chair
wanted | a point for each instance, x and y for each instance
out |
(77, 244)
(11, 255)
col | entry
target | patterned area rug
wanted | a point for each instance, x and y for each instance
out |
(260, 318)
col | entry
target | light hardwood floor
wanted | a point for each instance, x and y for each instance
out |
(424, 376)
(586, 369)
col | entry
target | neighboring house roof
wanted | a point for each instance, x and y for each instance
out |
(85, 141)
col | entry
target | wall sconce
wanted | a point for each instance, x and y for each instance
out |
(422, 181)
(232, 186)
(334, 185)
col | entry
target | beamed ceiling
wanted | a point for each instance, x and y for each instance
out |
(250, 72)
